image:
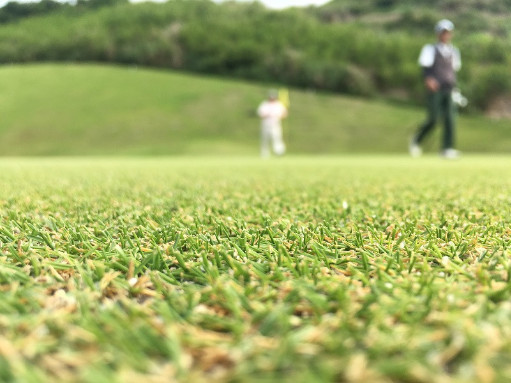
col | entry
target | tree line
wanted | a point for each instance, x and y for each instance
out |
(309, 48)
(15, 11)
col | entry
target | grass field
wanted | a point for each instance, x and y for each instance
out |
(99, 110)
(303, 269)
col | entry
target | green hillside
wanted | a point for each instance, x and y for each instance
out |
(99, 110)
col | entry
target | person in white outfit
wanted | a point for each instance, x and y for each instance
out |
(271, 112)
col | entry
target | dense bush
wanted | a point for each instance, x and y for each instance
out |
(294, 47)
(492, 82)
(14, 11)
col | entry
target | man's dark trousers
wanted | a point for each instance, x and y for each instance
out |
(439, 104)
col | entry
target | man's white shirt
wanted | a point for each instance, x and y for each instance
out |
(427, 56)
(271, 112)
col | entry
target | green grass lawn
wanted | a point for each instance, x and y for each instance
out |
(303, 269)
(73, 110)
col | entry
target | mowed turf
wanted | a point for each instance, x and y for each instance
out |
(65, 109)
(303, 269)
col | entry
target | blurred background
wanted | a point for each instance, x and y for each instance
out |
(185, 77)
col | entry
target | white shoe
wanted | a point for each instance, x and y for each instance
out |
(414, 149)
(451, 154)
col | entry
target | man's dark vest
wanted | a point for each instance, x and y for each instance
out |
(443, 71)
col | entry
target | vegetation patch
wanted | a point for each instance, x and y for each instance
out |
(350, 47)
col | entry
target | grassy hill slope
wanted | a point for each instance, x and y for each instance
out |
(97, 110)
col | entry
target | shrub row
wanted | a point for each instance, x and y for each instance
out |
(293, 47)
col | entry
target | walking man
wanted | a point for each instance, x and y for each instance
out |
(271, 112)
(439, 62)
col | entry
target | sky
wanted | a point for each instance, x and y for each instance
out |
(275, 4)
(279, 4)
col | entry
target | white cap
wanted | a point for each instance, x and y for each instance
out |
(444, 25)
